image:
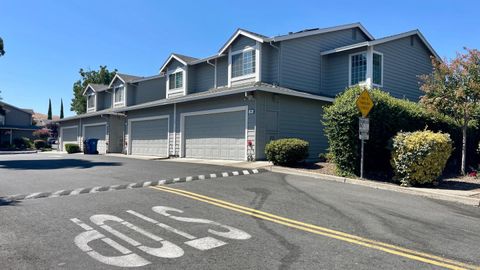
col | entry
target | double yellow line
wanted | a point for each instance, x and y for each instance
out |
(353, 239)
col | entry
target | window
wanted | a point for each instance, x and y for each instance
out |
(2, 120)
(358, 68)
(377, 69)
(91, 101)
(175, 80)
(119, 94)
(243, 63)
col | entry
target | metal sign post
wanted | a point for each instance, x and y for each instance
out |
(364, 104)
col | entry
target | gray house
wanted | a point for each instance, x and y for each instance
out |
(255, 89)
(15, 123)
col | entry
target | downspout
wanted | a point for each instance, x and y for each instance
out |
(174, 128)
(278, 62)
(215, 72)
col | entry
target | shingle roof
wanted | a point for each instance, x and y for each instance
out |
(187, 59)
(128, 78)
(98, 87)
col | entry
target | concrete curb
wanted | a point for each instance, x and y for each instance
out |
(377, 185)
(18, 152)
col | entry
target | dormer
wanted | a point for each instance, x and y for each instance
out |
(244, 50)
(175, 70)
(91, 92)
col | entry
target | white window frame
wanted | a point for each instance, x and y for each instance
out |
(183, 89)
(94, 108)
(381, 70)
(130, 121)
(206, 112)
(120, 103)
(258, 59)
(350, 68)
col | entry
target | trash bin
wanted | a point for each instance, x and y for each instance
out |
(90, 146)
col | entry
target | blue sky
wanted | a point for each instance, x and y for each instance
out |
(48, 41)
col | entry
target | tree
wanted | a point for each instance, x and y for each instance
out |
(49, 114)
(453, 89)
(61, 108)
(2, 51)
(102, 76)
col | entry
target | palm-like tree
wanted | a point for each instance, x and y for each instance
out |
(2, 51)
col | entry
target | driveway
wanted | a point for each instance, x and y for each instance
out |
(256, 221)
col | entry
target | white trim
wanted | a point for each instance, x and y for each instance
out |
(213, 111)
(258, 62)
(115, 77)
(235, 35)
(255, 74)
(94, 108)
(123, 102)
(86, 88)
(182, 89)
(97, 124)
(129, 128)
(172, 56)
(60, 142)
(381, 65)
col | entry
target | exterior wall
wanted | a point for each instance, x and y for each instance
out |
(116, 134)
(104, 100)
(174, 64)
(280, 116)
(402, 64)
(301, 62)
(336, 70)
(217, 103)
(16, 117)
(242, 42)
(222, 71)
(270, 60)
(146, 91)
(201, 77)
(75, 122)
(149, 112)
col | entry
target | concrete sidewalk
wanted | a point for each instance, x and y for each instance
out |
(18, 152)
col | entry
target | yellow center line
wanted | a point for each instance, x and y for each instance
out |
(392, 249)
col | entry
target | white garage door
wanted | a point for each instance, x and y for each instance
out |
(149, 137)
(215, 135)
(69, 135)
(97, 132)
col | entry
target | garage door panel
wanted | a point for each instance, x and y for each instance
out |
(97, 132)
(69, 135)
(149, 137)
(215, 136)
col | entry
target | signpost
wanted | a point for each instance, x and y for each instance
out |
(364, 104)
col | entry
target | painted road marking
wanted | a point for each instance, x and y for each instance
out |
(353, 239)
(167, 249)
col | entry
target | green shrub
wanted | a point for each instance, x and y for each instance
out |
(420, 157)
(388, 117)
(39, 144)
(22, 143)
(72, 148)
(286, 151)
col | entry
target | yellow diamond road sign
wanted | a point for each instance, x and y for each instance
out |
(364, 103)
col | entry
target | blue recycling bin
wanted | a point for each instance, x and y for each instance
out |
(90, 146)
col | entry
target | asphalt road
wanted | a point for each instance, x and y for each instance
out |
(215, 225)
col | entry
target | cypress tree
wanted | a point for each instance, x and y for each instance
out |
(49, 115)
(61, 108)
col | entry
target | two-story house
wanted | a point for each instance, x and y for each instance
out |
(15, 123)
(255, 89)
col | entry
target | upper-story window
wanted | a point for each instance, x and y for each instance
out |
(2, 120)
(119, 95)
(175, 80)
(377, 69)
(358, 68)
(90, 102)
(243, 63)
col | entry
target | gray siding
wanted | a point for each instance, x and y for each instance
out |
(104, 100)
(174, 64)
(403, 64)
(222, 71)
(300, 59)
(201, 77)
(242, 42)
(16, 117)
(280, 116)
(115, 130)
(146, 91)
(270, 62)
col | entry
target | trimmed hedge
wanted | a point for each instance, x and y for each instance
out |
(286, 151)
(39, 144)
(388, 117)
(420, 157)
(72, 148)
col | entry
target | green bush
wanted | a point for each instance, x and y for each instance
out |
(420, 157)
(39, 144)
(72, 148)
(388, 117)
(22, 143)
(286, 151)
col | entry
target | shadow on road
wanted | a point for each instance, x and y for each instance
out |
(48, 164)
(6, 202)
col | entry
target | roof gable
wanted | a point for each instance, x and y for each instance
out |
(95, 87)
(185, 60)
(249, 34)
